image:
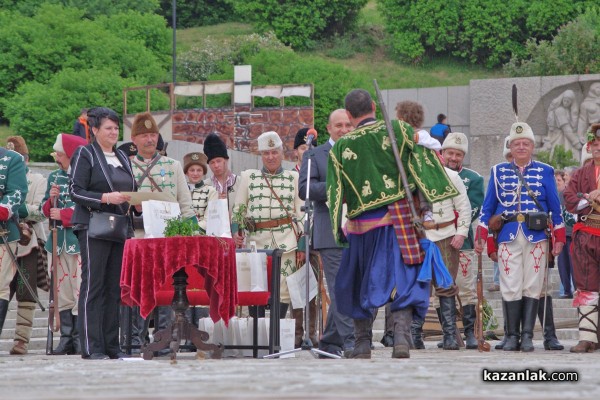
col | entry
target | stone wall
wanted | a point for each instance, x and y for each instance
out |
(240, 131)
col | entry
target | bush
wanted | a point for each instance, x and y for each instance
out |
(90, 8)
(480, 31)
(574, 50)
(191, 13)
(213, 56)
(35, 48)
(300, 23)
(560, 158)
(40, 111)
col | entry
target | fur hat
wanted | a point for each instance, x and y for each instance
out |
(520, 130)
(17, 143)
(457, 141)
(300, 138)
(143, 123)
(269, 141)
(505, 149)
(214, 147)
(129, 148)
(195, 159)
(67, 143)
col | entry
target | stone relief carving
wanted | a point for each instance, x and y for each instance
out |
(569, 121)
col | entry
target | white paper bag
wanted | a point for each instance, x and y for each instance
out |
(207, 325)
(217, 218)
(297, 286)
(258, 272)
(155, 213)
(287, 335)
(242, 264)
(242, 336)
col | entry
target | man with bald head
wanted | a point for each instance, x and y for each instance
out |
(338, 335)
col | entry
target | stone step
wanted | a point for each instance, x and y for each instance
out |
(561, 334)
(35, 344)
(37, 323)
(36, 332)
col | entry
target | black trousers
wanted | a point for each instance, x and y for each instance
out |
(99, 295)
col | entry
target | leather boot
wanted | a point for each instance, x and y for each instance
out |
(402, 323)
(500, 345)
(448, 313)
(588, 326)
(416, 331)
(76, 342)
(469, 316)
(514, 310)
(3, 311)
(24, 325)
(298, 315)
(65, 346)
(440, 344)
(530, 310)
(388, 338)
(362, 334)
(312, 323)
(550, 340)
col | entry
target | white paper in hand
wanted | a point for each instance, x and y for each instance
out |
(217, 219)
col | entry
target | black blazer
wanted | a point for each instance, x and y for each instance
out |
(322, 231)
(89, 171)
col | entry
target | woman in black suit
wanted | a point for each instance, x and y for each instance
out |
(99, 173)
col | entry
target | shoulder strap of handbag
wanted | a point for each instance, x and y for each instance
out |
(146, 172)
(529, 191)
(110, 183)
(281, 202)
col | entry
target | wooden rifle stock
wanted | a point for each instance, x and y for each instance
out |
(482, 345)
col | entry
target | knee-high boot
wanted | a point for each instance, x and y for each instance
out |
(550, 340)
(469, 316)
(448, 315)
(402, 323)
(298, 315)
(24, 325)
(3, 311)
(530, 310)
(76, 342)
(312, 324)
(500, 344)
(588, 327)
(388, 337)
(362, 334)
(416, 331)
(514, 310)
(65, 346)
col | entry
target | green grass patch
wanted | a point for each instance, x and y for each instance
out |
(5, 132)
(186, 38)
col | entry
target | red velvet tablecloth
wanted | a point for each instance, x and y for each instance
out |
(149, 263)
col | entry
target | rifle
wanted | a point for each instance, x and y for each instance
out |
(417, 222)
(482, 345)
(53, 313)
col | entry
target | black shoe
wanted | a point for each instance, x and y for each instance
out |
(388, 339)
(118, 355)
(96, 356)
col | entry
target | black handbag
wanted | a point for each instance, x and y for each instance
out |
(108, 226)
(538, 220)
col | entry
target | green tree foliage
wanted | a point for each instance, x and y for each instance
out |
(35, 48)
(90, 8)
(480, 31)
(191, 13)
(574, 50)
(39, 111)
(300, 23)
(560, 158)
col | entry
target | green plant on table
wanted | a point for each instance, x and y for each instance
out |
(180, 227)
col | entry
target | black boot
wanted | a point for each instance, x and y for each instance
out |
(388, 338)
(440, 344)
(362, 333)
(448, 313)
(76, 343)
(530, 310)
(550, 340)
(416, 331)
(469, 316)
(3, 311)
(500, 345)
(402, 323)
(65, 346)
(514, 311)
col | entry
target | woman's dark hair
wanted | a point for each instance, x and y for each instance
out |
(97, 114)
(440, 118)
(410, 112)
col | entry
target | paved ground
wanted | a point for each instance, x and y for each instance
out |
(430, 373)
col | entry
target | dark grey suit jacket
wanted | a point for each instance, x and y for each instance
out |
(322, 231)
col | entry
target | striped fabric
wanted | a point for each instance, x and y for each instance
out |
(405, 232)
